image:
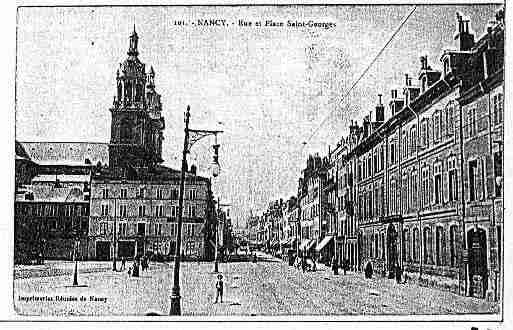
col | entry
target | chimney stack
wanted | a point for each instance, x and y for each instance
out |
(466, 40)
(423, 63)
(380, 111)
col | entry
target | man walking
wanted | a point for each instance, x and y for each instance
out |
(219, 288)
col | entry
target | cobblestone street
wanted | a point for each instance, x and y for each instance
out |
(269, 287)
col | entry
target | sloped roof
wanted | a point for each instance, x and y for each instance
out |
(51, 194)
(80, 178)
(65, 153)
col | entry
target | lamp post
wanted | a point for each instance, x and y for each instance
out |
(191, 137)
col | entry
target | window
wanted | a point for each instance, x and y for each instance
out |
(437, 127)
(425, 186)
(425, 132)
(158, 229)
(192, 194)
(497, 170)
(392, 152)
(105, 209)
(376, 162)
(141, 229)
(105, 193)
(123, 192)
(453, 179)
(447, 67)
(159, 210)
(376, 246)
(141, 192)
(416, 245)
(413, 189)
(174, 211)
(103, 228)
(393, 200)
(142, 210)
(173, 230)
(383, 246)
(122, 229)
(413, 139)
(122, 211)
(405, 244)
(174, 193)
(438, 182)
(471, 122)
(405, 192)
(160, 193)
(473, 178)
(428, 246)
(452, 243)
(405, 145)
(439, 247)
(381, 158)
(497, 109)
(449, 117)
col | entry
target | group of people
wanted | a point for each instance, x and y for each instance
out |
(335, 265)
(305, 264)
(139, 263)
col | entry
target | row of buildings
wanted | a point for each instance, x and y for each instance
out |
(104, 200)
(416, 185)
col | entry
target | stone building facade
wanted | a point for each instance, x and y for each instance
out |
(427, 182)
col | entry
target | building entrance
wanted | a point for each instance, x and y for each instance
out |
(103, 250)
(391, 250)
(478, 267)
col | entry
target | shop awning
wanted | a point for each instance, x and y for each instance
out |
(323, 243)
(307, 244)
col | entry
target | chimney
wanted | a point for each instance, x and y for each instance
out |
(353, 128)
(366, 125)
(423, 63)
(380, 110)
(465, 39)
(396, 104)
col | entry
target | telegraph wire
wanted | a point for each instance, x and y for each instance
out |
(359, 78)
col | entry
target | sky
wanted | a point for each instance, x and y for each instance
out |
(267, 88)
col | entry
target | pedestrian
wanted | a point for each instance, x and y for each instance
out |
(368, 270)
(219, 288)
(398, 274)
(334, 265)
(254, 258)
(135, 268)
(144, 263)
(303, 264)
(123, 263)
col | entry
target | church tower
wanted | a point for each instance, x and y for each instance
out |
(137, 124)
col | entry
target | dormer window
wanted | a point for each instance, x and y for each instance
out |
(447, 66)
(424, 84)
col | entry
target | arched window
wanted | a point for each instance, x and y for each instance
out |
(405, 242)
(120, 90)
(125, 131)
(128, 91)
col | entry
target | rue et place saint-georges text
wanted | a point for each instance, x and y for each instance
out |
(264, 23)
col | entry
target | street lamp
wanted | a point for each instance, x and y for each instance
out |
(191, 137)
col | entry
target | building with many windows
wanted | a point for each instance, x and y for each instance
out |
(426, 183)
(128, 198)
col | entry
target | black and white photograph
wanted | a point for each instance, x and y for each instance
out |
(247, 162)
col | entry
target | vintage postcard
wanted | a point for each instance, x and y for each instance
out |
(287, 162)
